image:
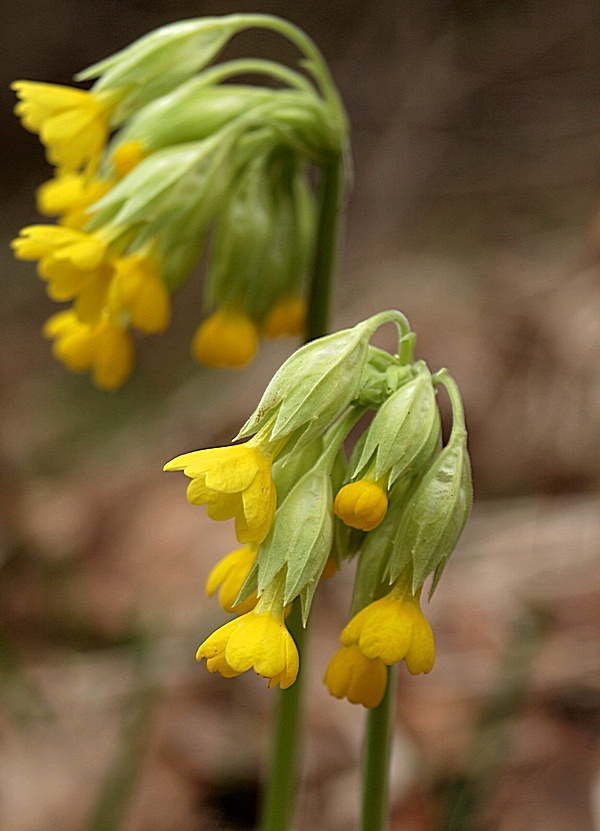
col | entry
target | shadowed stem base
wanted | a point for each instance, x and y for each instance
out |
(278, 808)
(376, 762)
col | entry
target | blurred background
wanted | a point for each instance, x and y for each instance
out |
(475, 210)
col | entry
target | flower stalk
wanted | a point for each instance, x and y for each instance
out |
(376, 762)
(279, 802)
(159, 157)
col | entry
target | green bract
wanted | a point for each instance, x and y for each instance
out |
(438, 508)
(264, 238)
(369, 583)
(401, 428)
(316, 384)
(161, 60)
(191, 112)
(301, 536)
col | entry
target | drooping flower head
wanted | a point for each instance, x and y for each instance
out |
(166, 152)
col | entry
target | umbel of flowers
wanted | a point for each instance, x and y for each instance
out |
(301, 508)
(164, 153)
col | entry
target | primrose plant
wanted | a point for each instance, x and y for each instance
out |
(169, 158)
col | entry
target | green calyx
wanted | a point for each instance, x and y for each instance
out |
(437, 509)
(401, 428)
(319, 381)
(301, 537)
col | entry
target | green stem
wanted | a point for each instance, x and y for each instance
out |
(255, 66)
(319, 298)
(377, 751)
(443, 377)
(279, 802)
(315, 63)
(278, 807)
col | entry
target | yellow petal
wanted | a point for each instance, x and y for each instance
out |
(227, 339)
(353, 676)
(114, 357)
(236, 470)
(262, 641)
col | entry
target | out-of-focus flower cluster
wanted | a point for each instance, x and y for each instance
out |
(301, 508)
(163, 153)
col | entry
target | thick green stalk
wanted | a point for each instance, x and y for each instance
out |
(278, 807)
(376, 762)
(319, 298)
(279, 803)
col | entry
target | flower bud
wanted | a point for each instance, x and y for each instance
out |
(156, 187)
(286, 318)
(361, 504)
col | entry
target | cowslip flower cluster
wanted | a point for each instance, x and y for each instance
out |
(301, 508)
(162, 153)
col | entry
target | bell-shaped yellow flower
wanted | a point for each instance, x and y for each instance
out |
(72, 124)
(138, 289)
(287, 318)
(227, 339)
(230, 574)
(73, 340)
(105, 348)
(259, 640)
(126, 156)
(235, 482)
(361, 504)
(63, 245)
(115, 356)
(394, 629)
(353, 676)
(68, 197)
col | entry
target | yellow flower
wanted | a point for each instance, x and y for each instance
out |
(63, 245)
(68, 196)
(73, 264)
(127, 156)
(361, 504)
(230, 573)
(115, 356)
(65, 282)
(138, 288)
(73, 340)
(287, 317)
(257, 639)
(353, 676)
(226, 339)
(72, 124)
(235, 482)
(394, 629)
(105, 348)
